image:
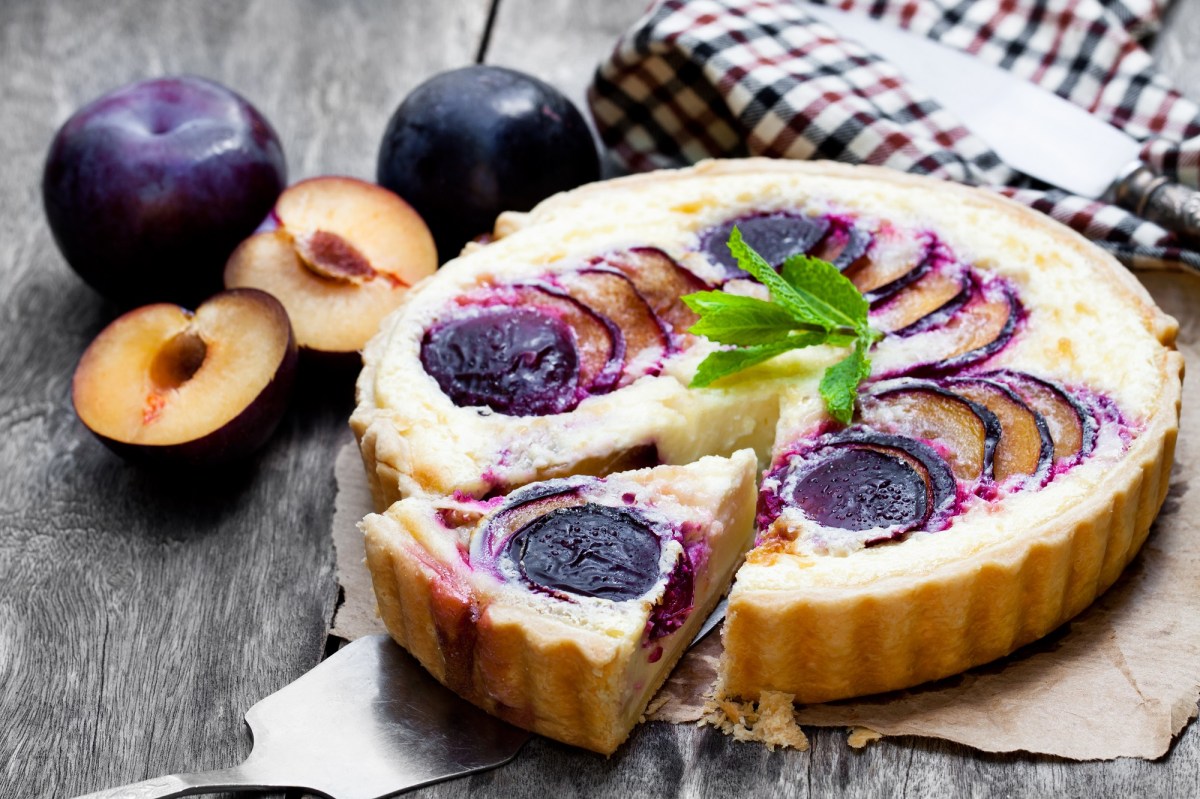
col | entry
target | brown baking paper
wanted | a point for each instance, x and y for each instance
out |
(1120, 680)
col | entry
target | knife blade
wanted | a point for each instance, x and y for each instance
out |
(1061, 143)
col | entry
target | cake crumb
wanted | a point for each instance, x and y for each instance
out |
(859, 737)
(660, 699)
(771, 720)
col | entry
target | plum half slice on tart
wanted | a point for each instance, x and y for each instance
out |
(562, 607)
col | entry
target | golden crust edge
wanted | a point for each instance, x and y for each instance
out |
(569, 680)
(829, 643)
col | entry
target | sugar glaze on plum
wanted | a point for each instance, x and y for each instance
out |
(580, 539)
(922, 451)
(543, 345)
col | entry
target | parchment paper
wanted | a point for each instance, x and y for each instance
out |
(1120, 680)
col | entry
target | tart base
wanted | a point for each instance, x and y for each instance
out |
(583, 686)
(823, 643)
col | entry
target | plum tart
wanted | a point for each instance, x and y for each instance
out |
(1004, 461)
(563, 606)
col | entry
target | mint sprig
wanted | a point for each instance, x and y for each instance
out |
(811, 303)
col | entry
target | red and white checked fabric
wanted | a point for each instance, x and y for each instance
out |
(696, 79)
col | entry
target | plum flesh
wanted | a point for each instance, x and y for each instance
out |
(966, 430)
(588, 550)
(515, 361)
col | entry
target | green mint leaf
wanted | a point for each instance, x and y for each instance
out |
(811, 303)
(739, 320)
(782, 292)
(829, 290)
(701, 302)
(839, 386)
(726, 362)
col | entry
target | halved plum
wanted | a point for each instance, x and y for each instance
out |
(609, 293)
(843, 245)
(965, 429)
(515, 361)
(661, 280)
(1072, 427)
(165, 386)
(894, 260)
(774, 236)
(934, 297)
(1025, 447)
(588, 550)
(862, 480)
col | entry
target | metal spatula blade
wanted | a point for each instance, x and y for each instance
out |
(368, 722)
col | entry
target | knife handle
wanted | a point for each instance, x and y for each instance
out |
(1158, 200)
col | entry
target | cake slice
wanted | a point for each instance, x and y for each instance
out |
(562, 607)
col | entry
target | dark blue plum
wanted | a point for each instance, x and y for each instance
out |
(589, 550)
(775, 237)
(515, 361)
(472, 142)
(150, 188)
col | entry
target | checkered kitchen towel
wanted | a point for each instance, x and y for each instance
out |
(705, 78)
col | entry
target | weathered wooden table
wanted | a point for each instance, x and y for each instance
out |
(141, 614)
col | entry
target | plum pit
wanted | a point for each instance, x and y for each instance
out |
(330, 256)
(178, 360)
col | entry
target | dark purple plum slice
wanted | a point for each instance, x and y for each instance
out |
(1025, 447)
(607, 292)
(843, 245)
(918, 306)
(599, 341)
(773, 236)
(894, 260)
(967, 430)
(515, 361)
(661, 280)
(588, 550)
(862, 480)
(1072, 427)
(858, 488)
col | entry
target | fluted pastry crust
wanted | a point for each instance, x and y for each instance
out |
(566, 670)
(817, 626)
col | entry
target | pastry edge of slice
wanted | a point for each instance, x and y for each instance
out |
(809, 641)
(529, 668)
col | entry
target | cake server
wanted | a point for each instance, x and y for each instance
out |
(1031, 129)
(367, 722)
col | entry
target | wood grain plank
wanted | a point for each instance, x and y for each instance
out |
(120, 591)
(142, 614)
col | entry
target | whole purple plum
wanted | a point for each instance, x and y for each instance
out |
(472, 142)
(149, 188)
